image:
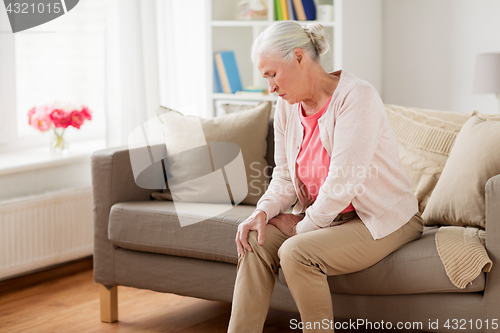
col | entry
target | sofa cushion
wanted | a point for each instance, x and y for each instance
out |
(203, 155)
(153, 226)
(425, 138)
(459, 196)
(413, 269)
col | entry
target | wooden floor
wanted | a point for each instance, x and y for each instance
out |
(71, 304)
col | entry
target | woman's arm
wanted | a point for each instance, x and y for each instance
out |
(280, 195)
(358, 128)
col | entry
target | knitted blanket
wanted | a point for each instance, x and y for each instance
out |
(463, 254)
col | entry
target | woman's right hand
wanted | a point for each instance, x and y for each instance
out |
(256, 221)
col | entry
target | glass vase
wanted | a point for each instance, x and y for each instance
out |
(57, 142)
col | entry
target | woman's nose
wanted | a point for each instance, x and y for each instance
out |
(272, 87)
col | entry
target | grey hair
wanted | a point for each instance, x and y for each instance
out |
(281, 38)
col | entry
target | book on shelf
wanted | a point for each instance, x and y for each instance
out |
(227, 72)
(299, 10)
(303, 10)
(291, 10)
(278, 11)
(284, 9)
(309, 9)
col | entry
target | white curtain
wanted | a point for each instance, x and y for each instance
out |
(155, 55)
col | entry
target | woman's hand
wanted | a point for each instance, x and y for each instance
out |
(286, 223)
(257, 222)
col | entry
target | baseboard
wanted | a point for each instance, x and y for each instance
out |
(46, 274)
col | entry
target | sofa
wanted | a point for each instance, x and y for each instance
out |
(139, 242)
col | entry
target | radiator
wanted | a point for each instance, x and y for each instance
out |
(43, 230)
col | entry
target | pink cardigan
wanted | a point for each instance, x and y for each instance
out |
(364, 168)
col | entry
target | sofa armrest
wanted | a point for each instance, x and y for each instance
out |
(492, 288)
(112, 181)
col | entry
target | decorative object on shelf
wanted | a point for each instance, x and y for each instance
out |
(252, 91)
(325, 13)
(227, 72)
(487, 78)
(252, 10)
(58, 117)
(256, 89)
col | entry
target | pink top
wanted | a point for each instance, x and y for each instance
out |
(313, 161)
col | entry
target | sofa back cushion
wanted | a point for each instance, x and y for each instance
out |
(270, 146)
(425, 138)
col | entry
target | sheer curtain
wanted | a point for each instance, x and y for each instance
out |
(155, 55)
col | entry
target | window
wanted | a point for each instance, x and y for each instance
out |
(61, 60)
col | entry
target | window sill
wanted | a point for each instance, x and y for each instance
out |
(42, 157)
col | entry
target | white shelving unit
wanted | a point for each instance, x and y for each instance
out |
(360, 20)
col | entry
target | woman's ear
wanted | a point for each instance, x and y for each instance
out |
(298, 54)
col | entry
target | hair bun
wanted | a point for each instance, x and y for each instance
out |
(316, 33)
(283, 37)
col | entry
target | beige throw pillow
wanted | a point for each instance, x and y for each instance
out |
(459, 196)
(425, 138)
(204, 163)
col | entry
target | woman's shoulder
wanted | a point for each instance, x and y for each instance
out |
(356, 95)
(352, 89)
(350, 83)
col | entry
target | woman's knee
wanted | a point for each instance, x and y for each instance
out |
(252, 238)
(291, 251)
(272, 239)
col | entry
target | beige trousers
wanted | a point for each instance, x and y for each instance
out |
(307, 259)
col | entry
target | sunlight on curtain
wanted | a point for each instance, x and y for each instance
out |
(132, 88)
(155, 55)
(182, 27)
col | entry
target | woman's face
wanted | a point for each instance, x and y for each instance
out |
(284, 78)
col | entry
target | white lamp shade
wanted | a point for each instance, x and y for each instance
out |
(487, 77)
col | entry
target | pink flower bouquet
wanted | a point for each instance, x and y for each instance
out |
(43, 118)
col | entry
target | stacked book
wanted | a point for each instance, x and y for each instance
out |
(302, 10)
(226, 72)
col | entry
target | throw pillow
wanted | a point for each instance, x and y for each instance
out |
(425, 138)
(203, 153)
(459, 196)
(227, 108)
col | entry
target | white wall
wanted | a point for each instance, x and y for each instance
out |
(362, 40)
(429, 52)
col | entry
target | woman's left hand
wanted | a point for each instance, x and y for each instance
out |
(286, 223)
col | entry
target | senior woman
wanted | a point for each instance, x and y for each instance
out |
(336, 153)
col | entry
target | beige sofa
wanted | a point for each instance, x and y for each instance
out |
(139, 243)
